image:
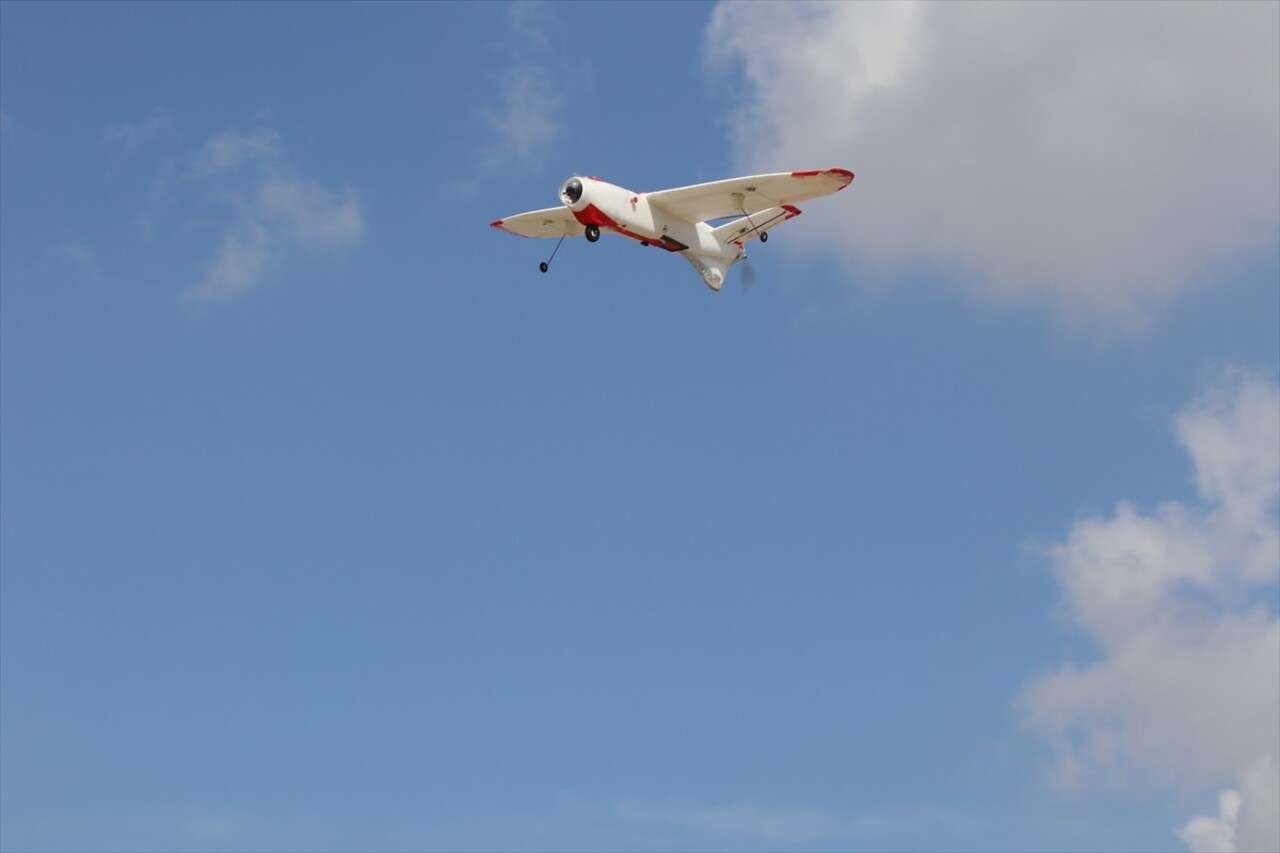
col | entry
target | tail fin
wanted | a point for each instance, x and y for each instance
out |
(713, 270)
(749, 227)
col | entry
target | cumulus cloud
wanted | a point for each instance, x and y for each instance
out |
(1181, 604)
(1235, 827)
(1096, 157)
(277, 212)
(1214, 834)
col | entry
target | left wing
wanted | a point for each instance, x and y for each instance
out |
(750, 194)
(552, 222)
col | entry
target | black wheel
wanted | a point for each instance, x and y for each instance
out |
(543, 266)
(593, 233)
(764, 238)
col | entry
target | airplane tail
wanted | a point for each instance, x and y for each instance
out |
(713, 270)
(737, 233)
(746, 228)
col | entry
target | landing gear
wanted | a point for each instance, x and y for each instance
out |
(547, 263)
(764, 237)
(593, 233)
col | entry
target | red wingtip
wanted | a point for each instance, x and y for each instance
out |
(844, 174)
(792, 210)
(497, 223)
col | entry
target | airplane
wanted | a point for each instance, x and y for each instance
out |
(680, 220)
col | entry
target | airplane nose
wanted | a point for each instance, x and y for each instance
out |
(571, 191)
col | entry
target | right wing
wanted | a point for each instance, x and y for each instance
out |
(751, 194)
(552, 222)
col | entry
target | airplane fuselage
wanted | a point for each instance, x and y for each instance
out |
(594, 202)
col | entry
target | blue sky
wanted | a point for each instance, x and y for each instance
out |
(330, 523)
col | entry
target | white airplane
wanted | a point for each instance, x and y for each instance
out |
(680, 219)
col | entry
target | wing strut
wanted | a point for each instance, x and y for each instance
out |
(741, 199)
(545, 265)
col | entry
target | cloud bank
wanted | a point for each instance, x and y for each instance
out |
(1099, 158)
(1181, 603)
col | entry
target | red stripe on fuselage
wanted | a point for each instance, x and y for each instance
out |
(592, 215)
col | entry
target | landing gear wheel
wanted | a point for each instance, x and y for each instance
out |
(593, 233)
(764, 238)
(543, 266)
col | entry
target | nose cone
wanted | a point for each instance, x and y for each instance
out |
(571, 192)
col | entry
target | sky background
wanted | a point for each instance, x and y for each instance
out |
(330, 523)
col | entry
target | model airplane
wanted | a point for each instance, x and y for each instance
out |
(681, 219)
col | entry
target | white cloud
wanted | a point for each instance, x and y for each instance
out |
(1214, 834)
(240, 263)
(128, 136)
(1096, 157)
(230, 149)
(277, 213)
(1181, 605)
(525, 124)
(308, 214)
(1246, 819)
(528, 122)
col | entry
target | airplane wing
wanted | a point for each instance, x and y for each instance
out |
(720, 199)
(552, 222)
